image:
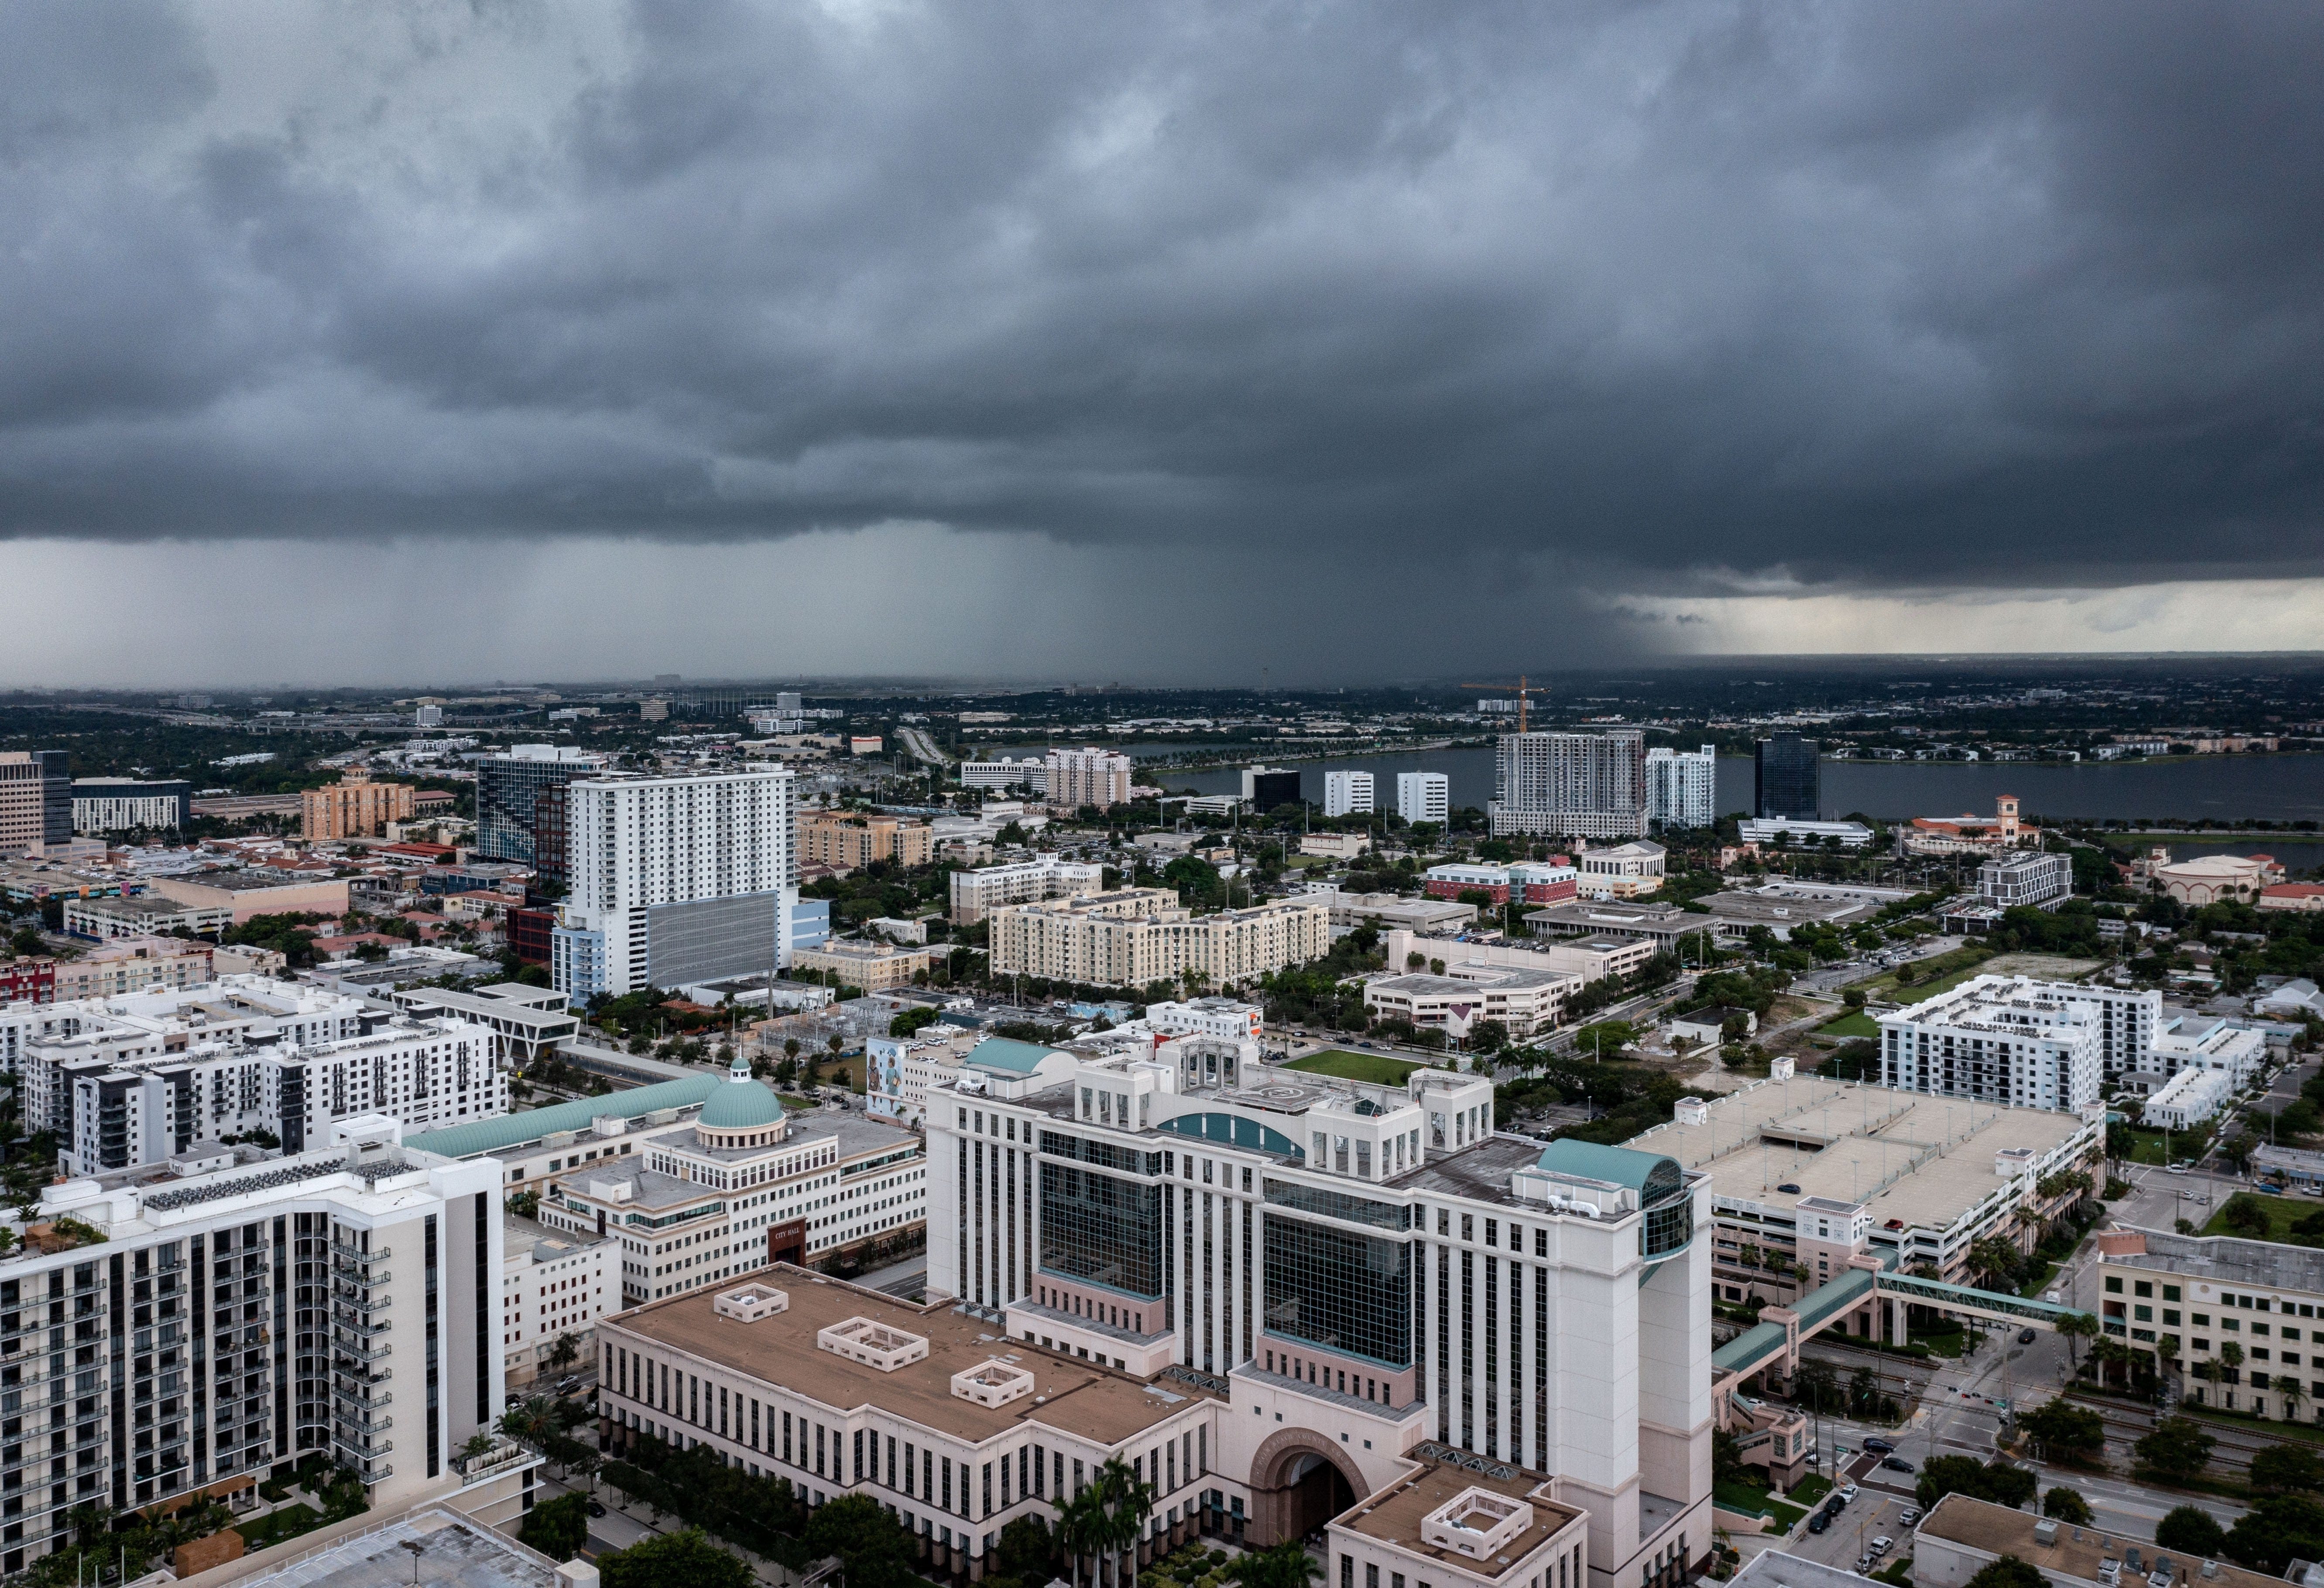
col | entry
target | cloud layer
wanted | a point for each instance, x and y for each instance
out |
(1661, 301)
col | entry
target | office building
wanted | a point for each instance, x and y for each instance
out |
(136, 1077)
(1372, 1261)
(2216, 1299)
(1522, 1001)
(508, 788)
(1424, 796)
(1622, 871)
(1522, 882)
(1777, 831)
(1132, 937)
(1088, 777)
(1349, 911)
(555, 1285)
(855, 840)
(1347, 794)
(114, 804)
(1997, 1038)
(1683, 787)
(1335, 846)
(35, 801)
(739, 1187)
(1265, 787)
(355, 807)
(1026, 881)
(1785, 777)
(1031, 773)
(1816, 1174)
(1589, 959)
(232, 1318)
(2028, 877)
(1591, 785)
(244, 896)
(675, 879)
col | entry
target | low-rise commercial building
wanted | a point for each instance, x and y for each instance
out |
(1623, 871)
(1335, 846)
(1132, 937)
(1230, 1019)
(105, 921)
(874, 967)
(2239, 1318)
(1961, 1536)
(1391, 911)
(1799, 833)
(247, 894)
(1524, 882)
(1522, 1001)
(1588, 958)
(977, 894)
(2030, 876)
(1660, 924)
(555, 1285)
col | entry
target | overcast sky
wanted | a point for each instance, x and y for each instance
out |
(1160, 343)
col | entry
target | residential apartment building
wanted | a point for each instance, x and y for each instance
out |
(239, 1317)
(1347, 794)
(1623, 871)
(1683, 787)
(1228, 1019)
(1997, 1038)
(1132, 937)
(355, 807)
(135, 1078)
(35, 801)
(674, 880)
(2242, 1321)
(1424, 796)
(1366, 1262)
(133, 965)
(1591, 785)
(113, 804)
(508, 795)
(855, 840)
(28, 981)
(1088, 777)
(743, 1186)
(871, 967)
(555, 1285)
(1787, 777)
(977, 894)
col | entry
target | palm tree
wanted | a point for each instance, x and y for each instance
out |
(2288, 1391)
(1077, 1524)
(1287, 1564)
(2077, 1326)
(1125, 1500)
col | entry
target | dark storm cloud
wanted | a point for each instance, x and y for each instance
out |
(1860, 295)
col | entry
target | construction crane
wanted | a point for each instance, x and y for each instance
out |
(1523, 696)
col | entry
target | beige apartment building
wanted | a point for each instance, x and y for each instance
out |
(355, 807)
(132, 965)
(977, 894)
(1088, 777)
(839, 838)
(1136, 935)
(874, 966)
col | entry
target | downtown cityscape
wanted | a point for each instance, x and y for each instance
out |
(835, 793)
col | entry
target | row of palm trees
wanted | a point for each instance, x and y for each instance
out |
(1104, 1524)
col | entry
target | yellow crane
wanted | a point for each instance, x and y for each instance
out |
(1523, 696)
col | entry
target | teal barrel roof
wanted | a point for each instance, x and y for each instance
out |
(1004, 1054)
(502, 1132)
(1621, 1166)
(741, 1102)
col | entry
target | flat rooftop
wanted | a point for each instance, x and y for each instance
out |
(1393, 1516)
(2076, 1552)
(780, 1351)
(452, 1550)
(2227, 1259)
(1787, 908)
(1921, 1161)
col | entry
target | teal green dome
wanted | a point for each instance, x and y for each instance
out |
(741, 1103)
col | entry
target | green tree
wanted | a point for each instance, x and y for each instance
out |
(564, 1353)
(2278, 1529)
(1998, 1481)
(2009, 1572)
(1284, 1565)
(2066, 1432)
(2287, 1467)
(873, 1549)
(2077, 1327)
(2190, 1529)
(558, 1528)
(683, 1559)
(2066, 1505)
(2177, 1448)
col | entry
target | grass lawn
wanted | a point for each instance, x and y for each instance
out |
(1856, 1023)
(1945, 971)
(1811, 1490)
(2281, 1213)
(1376, 1069)
(1745, 1500)
(276, 1526)
(2184, 1144)
(2035, 1286)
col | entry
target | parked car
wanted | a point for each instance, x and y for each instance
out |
(1897, 1463)
(1820, 1521)
(2025, 1337)
(1912, 1514)
(2176, 1169)
(596, 1510)
(1848, 1491)
(1878, 1445)
(1883, 1545)
(1864, 1564)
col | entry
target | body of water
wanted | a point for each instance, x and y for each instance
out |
(2276, 788)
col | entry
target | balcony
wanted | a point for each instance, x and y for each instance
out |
(354, 1323)
(358, 1256)
(346, 1351)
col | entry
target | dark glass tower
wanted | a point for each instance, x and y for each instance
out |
(1784, 778)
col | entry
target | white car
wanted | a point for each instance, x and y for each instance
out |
(1883, 1545)
(1847, 1493)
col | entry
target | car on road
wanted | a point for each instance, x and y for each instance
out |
(2176, 1169)
(1878, 1445)
(2025, 1337)
(1848, 1491)
(1912, 1514)
(1820, 1521)
(566, 1386)
(1897, 1463)
(596, 1510)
